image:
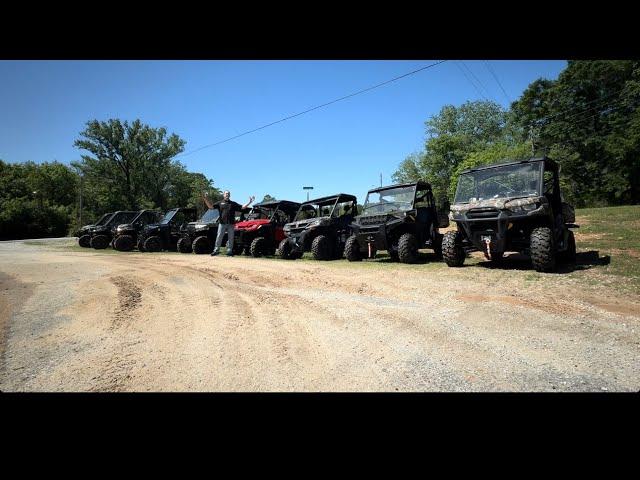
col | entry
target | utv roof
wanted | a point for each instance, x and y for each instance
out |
(343, 196)
(546, 160)
(284, 203)
(420, 183)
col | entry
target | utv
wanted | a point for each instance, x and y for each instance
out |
(400, 219)
(514, 206)
(102, 235)
(320, 226)
(127, 233)
(84, 233)
(200, 236)
(164, 235)
(262, 232)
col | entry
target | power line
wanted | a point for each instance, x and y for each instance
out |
(490, 68)
(477, 79)
(471, 81)
(313, 108)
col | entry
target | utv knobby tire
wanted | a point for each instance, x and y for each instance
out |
(100, 242)
(141, 245)
(352, 249)
(124, 243)
(285, 250)
(184, 245)
(85, 241)
(543, 254)
(408, 248)
(321, 248)
(153, 244)
(258, 247)
(201, 245)
(452, 250)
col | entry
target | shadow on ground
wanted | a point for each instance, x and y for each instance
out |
(517, 261)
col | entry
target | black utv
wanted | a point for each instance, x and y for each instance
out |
(262, 231)
(200, 236)
(320, 226)
(164, 235)
(515, 206)
(101, 236)
(399, 219)
(126, 234)
(84, 233)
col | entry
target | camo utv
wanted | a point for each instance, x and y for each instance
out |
(399, 219)
(321, 226)
(515, 206)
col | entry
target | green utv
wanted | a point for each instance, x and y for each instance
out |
(399, 219)
(515, 206)
(320, 226)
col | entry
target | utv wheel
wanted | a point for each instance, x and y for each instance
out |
(85, 241)
(352, 249)
(201, 245)
(452, 250)
(257, 248)
(408, 248)
(141, 245)
(569, 255)
(543, 254)
(321, 248)
(124, 243)
(100, 242)
(153, 244)
(284, 249)
(184, 245)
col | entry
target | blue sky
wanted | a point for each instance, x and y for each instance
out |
(343, 147)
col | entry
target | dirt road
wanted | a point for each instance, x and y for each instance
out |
(81, 320)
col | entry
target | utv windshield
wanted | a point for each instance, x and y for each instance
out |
(392, 200)
(510, 181)
(103, 219)
(311, 210)
(210, 216)
(122, 217)
(167, 217)
(258, 213)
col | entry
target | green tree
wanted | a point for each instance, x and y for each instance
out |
(130, 160)
(268, 198)
(452, 135)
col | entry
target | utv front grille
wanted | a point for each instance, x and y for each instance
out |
(373, 220)
(486, 212)
(373, 229)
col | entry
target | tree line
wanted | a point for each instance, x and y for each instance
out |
(588, 120)
(129, 166)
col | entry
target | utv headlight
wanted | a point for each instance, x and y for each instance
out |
(313, 224)
(529, 207)
(201, 226)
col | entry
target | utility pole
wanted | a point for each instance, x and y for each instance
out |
(533, 142)
(307, 189)
(81, 185)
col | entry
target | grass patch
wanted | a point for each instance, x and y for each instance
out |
(613, 232)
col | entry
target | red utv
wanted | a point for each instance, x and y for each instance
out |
(262, 232)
